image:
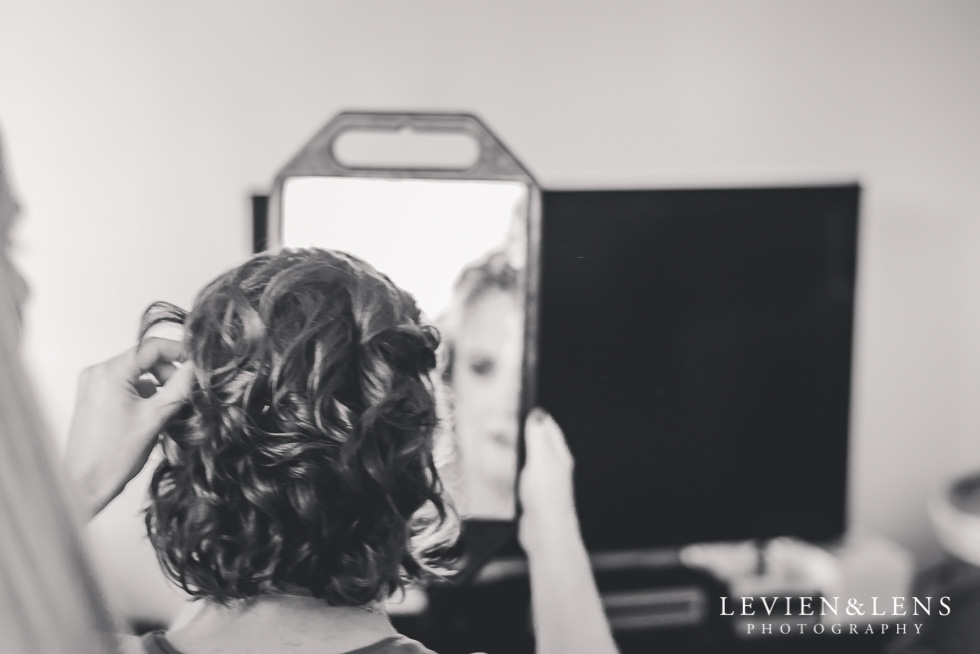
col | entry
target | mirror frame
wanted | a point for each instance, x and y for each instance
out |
(494, 163)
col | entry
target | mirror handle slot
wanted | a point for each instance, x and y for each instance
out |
(494, 161)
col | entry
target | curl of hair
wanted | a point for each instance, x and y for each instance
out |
(303, 460)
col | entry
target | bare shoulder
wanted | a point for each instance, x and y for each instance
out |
(403, 645)
(130, 644)
(399, 645)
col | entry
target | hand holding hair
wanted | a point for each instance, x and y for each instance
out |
(118, 415)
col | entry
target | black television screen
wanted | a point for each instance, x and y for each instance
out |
(695, 346)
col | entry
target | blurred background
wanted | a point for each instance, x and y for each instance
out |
(136, 133)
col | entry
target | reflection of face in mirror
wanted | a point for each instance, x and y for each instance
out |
(425, 234)
(484, 376)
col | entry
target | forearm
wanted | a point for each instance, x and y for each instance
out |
(94, 488)
(568, 614)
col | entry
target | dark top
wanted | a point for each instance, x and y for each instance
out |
(156, 643)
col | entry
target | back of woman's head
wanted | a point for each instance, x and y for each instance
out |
(303, 461)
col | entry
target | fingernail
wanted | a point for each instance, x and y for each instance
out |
(537, 416)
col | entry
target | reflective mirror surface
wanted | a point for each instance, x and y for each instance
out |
(460, 248)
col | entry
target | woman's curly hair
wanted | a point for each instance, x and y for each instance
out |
(303, 460)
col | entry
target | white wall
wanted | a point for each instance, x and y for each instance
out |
(137, 129)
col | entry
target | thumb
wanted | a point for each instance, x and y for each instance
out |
(172, 395)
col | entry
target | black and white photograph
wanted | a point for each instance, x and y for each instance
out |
(632, 327)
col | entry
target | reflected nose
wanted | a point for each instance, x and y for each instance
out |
(504, 432)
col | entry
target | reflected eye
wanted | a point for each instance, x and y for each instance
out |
(482, 366)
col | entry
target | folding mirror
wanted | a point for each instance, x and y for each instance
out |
(438, 204)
